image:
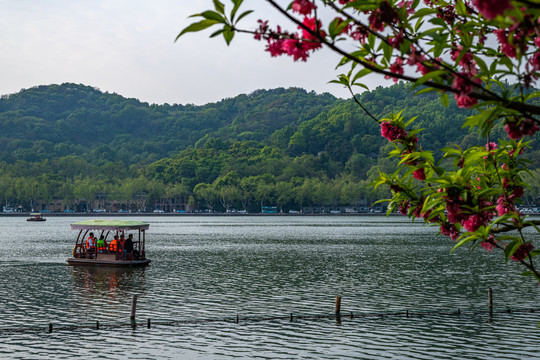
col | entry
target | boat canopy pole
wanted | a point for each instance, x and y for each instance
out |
(143, 242)
(78, 237)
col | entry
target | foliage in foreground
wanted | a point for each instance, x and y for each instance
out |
(468, 49)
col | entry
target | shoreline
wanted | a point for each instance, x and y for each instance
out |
(51, 214)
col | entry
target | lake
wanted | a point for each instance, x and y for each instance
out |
(218, 267)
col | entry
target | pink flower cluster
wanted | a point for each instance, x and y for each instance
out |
(464, 85)
(516, 130)
(448, 229)
(489, 244)
(522, 252)
(504, 206)
(490, 9)
(392, 132)
(382, 16)
(420, 174)
(506, 48)
(396, 68)
(280, 43)
(304, 7)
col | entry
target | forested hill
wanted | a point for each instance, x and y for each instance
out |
(48, 122)
(73, 141)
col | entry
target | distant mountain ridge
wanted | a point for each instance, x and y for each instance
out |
(287, 147)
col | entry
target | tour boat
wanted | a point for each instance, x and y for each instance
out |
(36, 217)
(109, 256)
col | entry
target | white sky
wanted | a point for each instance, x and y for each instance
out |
(127, 47)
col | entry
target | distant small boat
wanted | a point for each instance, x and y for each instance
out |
(36, 217)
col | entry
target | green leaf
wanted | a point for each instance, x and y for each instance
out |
(201, 25)
(444, 99)
(228, 34)
(422, 12)
(460, 8)
(511, 249)
(244, 14)
(212, 15)
(219, 7)
(236, 6)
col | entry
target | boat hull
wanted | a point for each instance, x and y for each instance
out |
(103, 262)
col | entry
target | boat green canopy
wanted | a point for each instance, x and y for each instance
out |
(110, 225)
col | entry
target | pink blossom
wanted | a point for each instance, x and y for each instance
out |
(275, 47)
(448, 14)
(516, 130)
(535, 59)
(450, 230)
(392, 132)
(517, 193)
(489, 246)
(464, 87)
(506, 47)
(464, 101)
(360, 34)
(296, 48)
(473, 222)
(466, 59)
(263, 27)
(404, 207)
(419, 174)
(417, 212)
(490, 146)
(522, 252)
(490, 9)
(304, 7)
(454, 212)
(396, 68)
(312, 41)
(503, 207)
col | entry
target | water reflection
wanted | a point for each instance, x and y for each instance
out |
(106, 283)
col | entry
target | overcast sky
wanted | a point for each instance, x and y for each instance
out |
(127, 47)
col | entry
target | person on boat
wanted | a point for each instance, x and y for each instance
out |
(128, 246)
(101, 244)
(113, 246)
(91, 244)
(121, 242)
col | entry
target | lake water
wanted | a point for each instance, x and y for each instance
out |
(258, 266)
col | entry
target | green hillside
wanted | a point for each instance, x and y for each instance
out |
(285, 147)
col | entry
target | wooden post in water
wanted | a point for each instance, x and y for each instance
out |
(133, 307)
(338, 310)
(338, 305)
(97, 325)
(490, 302)
(50, 328)
(148, 323)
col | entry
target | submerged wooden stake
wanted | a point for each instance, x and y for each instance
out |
(133, 307)
(490, 301)
(338, 305)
